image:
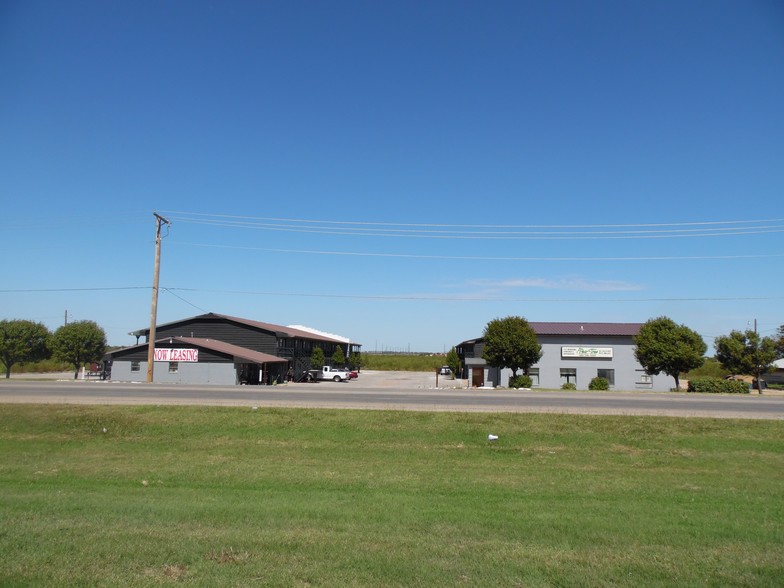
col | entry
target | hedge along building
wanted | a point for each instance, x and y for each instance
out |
(220, 349)
(572, 353)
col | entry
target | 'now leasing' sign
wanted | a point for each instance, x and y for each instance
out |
(186, 355)
(602, 352)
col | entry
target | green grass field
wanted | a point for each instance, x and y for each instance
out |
(198, 496)
(402, 362)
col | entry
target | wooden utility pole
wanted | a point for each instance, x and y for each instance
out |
(159, 221)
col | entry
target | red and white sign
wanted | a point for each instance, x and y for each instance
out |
(184, 355)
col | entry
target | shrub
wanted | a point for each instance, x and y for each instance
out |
(718, 386)
(41, 367)
(569, 386)
(599, 384)
(522, 381)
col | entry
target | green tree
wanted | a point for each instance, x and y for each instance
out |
(665, 346)
(317, 358)
(511, 343)
(453, 361)
(780, 341)
(78, 343)
(338, 358)
(746, 353)
(355, 360)
(22, 341)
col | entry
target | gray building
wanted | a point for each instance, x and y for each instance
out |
(571, 353)
(221, 349)
(190, 360)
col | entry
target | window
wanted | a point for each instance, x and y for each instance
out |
(569, 376)
(135, 366)
(643, 378)
(608, 375)
(533, 373)
(173, 367)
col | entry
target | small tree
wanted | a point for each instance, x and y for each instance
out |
(664, 346)
(338, 358)
(453, 361)
(355, 360)
(780, 342)
(317, 358)
(746, 353)
(78, 343)
(511, 343)
(22, 341)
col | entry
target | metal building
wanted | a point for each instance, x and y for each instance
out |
(221, 349)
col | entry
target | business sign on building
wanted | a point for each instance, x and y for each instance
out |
(184, 355)
(589, 352)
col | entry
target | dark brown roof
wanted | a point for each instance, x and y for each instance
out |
(211, 344)
(572, 329)
(288, 331)
(624, 329)
(230, 349)
(277, 329)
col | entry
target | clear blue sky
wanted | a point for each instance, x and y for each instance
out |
(432, 147)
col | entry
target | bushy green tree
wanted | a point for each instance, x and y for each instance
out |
(662, 345)
(453, 361)
(511, 343)
(780, 341)
(317, 358)
(22, 341)
(338, 358)
(355, 360)
(746, 353)
(79, 343)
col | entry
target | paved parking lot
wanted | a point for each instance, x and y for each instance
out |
(413, 380)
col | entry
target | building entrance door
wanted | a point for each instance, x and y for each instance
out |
(477, 377)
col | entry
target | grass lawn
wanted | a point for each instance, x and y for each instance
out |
(204, 496)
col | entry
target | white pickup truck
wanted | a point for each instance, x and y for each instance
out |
(329, 373)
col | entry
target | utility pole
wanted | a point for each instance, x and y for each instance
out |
(159, 221)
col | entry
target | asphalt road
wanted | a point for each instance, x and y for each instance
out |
(394, 395)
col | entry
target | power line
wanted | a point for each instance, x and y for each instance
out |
(497, 232)
(481, 257)
(32, 290)
(477, 298)
(401, 297)
(376, 223)
(497, 235)
(393, 297)
(168, 290)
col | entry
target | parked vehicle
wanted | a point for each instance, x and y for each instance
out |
(444, 370)
(329, 373)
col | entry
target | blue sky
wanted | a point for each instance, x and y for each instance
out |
(399, 173)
